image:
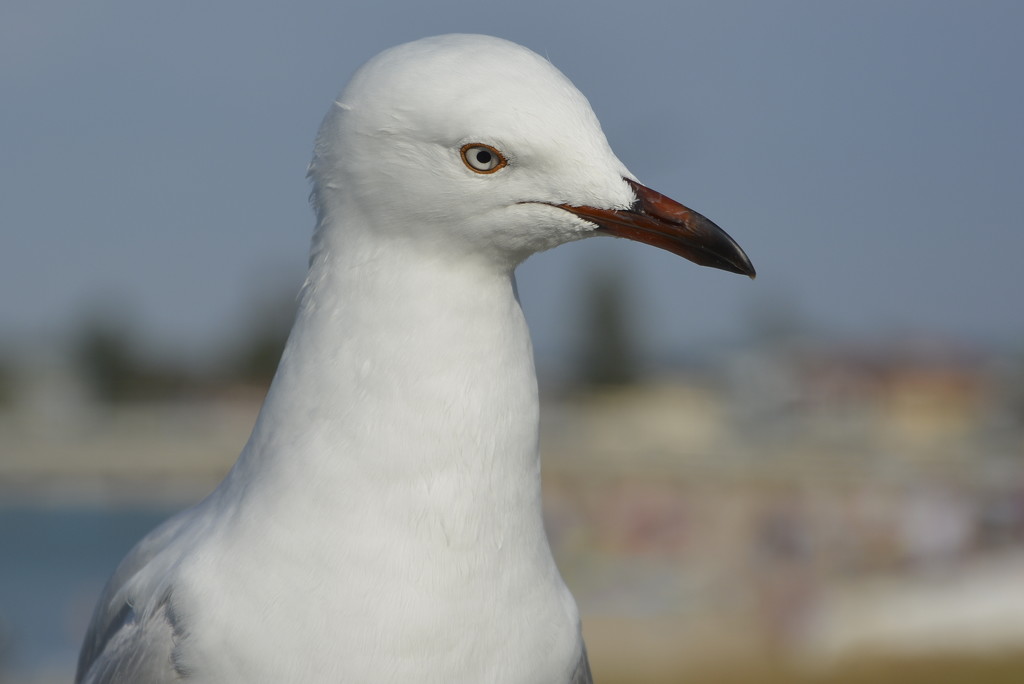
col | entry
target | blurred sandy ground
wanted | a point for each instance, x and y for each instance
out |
(813, 515)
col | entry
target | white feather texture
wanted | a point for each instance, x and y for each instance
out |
(383, 523)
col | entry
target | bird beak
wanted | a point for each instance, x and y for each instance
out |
(657, 220)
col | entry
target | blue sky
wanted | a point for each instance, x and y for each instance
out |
(868, 156)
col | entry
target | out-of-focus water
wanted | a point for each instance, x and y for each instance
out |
(53, 564)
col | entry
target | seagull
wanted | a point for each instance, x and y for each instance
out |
(383, 522)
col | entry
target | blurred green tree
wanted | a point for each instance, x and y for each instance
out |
(107, 356)
(607, 352)
(254, 360)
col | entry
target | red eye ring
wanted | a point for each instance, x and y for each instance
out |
(481, 158)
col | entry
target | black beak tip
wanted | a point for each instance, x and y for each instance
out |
(739, 264)
(725, 252)
(746, 268)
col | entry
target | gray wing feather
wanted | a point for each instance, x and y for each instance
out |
(581, 675)
(132, 638)
(138, 649)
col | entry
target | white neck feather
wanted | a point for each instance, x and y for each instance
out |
(406, 397)
(394, 471)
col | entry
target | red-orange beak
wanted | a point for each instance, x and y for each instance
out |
(657, 220)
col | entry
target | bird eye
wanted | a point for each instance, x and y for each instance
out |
(483, 158)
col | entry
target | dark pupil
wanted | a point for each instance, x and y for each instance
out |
(484, 157)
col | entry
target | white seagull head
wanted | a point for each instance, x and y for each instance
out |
(480, 147)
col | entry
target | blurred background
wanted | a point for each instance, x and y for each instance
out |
(817, 476)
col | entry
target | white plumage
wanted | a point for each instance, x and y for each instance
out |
(383, 523)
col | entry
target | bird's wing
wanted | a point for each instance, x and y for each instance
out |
(138, 648)
(135, 628)
(581, 675)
